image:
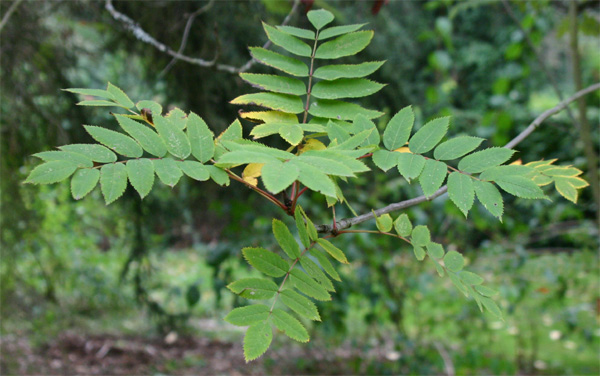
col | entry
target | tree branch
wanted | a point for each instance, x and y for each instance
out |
(348, 222)
(143, 36)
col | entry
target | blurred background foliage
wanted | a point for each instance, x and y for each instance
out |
(160, 266)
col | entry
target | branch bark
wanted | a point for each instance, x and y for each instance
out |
(349, 222)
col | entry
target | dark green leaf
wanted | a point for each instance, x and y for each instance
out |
(484, 159)
(115, 141)
(345, 45)
(146, 137)
(333, 72)
(287, 42)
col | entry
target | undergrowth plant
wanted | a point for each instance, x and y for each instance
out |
(330, 140)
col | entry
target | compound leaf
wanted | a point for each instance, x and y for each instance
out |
(300, 304)
(456, 147)
(325, 264)
(266, 262)
(168, 171)
(285, 239)
(146, 137)
(141, 175)
(115, 141)
(254, 288)
(83, 181)
(432, 177)
(313, 270)
(398, 129)
(345, 45)
(429, 135)
(248, 315)
(461, 191)
(283, 63)
(484, 159)
(289, 325)
(309, 286)
(113, 181)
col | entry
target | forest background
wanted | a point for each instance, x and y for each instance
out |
(139, 286)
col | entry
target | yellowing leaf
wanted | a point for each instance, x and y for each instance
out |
(269, 117)
(312, 144)
(518, 162)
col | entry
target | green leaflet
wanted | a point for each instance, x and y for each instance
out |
(232, 133)
(289, 325)
(277, 176)
(97, 103)
(333, 251)
(266, 129)
(398, 129)
(252, 146)
(432, 177)
(337, 132)
(520, 186)
(326, 165)
(113, 181)
(333, 72)
(83, 181)
(456, 147)
(301, 226)
(300, 304)
(345, 45)
(177, 117)
(566, 188)
(342, 156)
(292, 133)
(286, 239)
(248, 315)
(334, 109)
(218, 175)
(51, 172)
(361, 123)
(312, 231)
(154, 107)
(115, 141)
(313, 270)
(435, 250)
(429, 135)
(95, 152)
(287, 41)
(485, 291)
(494, 173)
(384, 223)
(454, 261)
(275, 101)
(141, 175)
(254, 288)
(283, 63)
(146, 137)
(420, 236)
(77, 159)
(316, 180)
(325, 264)
(410, 165)
(238, 157)
(309, 286)
(319, 18)
(177, 142)
(119, 96)
(459, 284)
(402, 225)
(168, 171)
(257, 340)
(489, 197)
(461, 191)
(297, 32)
(470, 278)
(194, 170)
(339, 30)
(484, 159)
(91, 92)
(361, 138)
(345, 88)
(419, 252)
(492, 307)
(201, 138)
(266, 262)
(385, 159)
(278, 84)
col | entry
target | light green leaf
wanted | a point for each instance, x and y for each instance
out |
(154, 107)
(238, 157)
(339, 30)
(313, 270)
(292, 133)
(470, 278)
(565, 188)
(459, 284)
(257, 340)
(177, 117)
(201, 138)
(141, 175)
(485, 291)
(308, 286)
(194, 170)
(484, 159)
(420, 236)
(402, 225)
(494, 173)
(461, 191)
(489, 197)
(92, 92)
(146, 137)
(51, 172)
(319, 18)
(410, 165)
(96, 153)
(113, 181)
(384, 223)
(278, 176)
(248, 315)
(333, 72)
(334, 109)
(254, 288)
(325, 263)
(454, 261)
(520, 186)
(300, 304)
(287, 42)
(177, 142)
(312, 231)
(429, 135)
(385, 159)
(115, 141)
(97, 103)
(316, 180)
(337, 132)
(276, 101)
(286, 239)
(168, 171)
(289, 325)
(83, 181)
(119, 96)
(361, 138)
(456, 147)
(302, 231)
(419, 252)
(326, 165)
(283, 63)
(333, 251)
(435, 250)
(77, 159)
(438, 268)
(398, 129)
(361, 123)
(218, 175)
(297, 32)
(433, 176)
(278, 84)
(492, 307)
(347, 158)
(345, 88)
(266, 129)
(345, 45)
(266, 262)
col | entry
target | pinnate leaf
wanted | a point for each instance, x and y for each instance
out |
(300, 304)
(266, 262)
(456, 147)
(283, 63)
(461, 191)
(432, 177)
(484, 159)
(345, 45)
(113, 181)
(289, 325)
(83, 181)
(254, 288)
(333, 72)
(398, 129)
(309, 286)
(285, 239)
(429, 135)
(168, 171)
(95, 152)
(141, 175)
(325, 264)
(115, 141)
(313, 270)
